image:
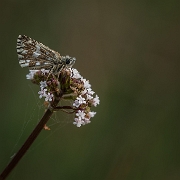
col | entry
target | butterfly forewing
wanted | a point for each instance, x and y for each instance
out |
(34, 54)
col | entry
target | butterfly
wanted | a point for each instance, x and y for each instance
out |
(35, 55)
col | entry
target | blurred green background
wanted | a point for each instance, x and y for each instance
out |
(129, 50)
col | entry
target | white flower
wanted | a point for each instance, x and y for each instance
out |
(81, 100)
(87, 121)
(49, 97)
(75, 74)
(91, 114)
(31, 74)
(78, 122)
(90, 91)
(96, 101)
(86, 83)
(43, 84)
(76, 103)
(81, 93)
(80, 114)
(44, 71)
(42, 93)
(84, 92)
(88, 97)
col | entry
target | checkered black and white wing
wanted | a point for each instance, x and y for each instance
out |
(34, 54)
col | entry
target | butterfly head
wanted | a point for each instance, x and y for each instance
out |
(68, 61)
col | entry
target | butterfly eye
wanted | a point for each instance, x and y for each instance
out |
(68, 61)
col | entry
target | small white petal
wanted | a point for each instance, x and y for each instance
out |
(24, 65)
(91, 114)
(96, 101)
(86, 83)
(81, 100)
(80, 114)
(84, 92)
(88, 97)
(76, 103)
(90, 91)
(43, 84)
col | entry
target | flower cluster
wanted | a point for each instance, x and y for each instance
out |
(84, 99)
(48, 84)
(73, 86)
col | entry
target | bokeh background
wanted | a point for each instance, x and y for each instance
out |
(129, 50)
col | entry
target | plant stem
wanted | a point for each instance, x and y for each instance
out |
(29, 140)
